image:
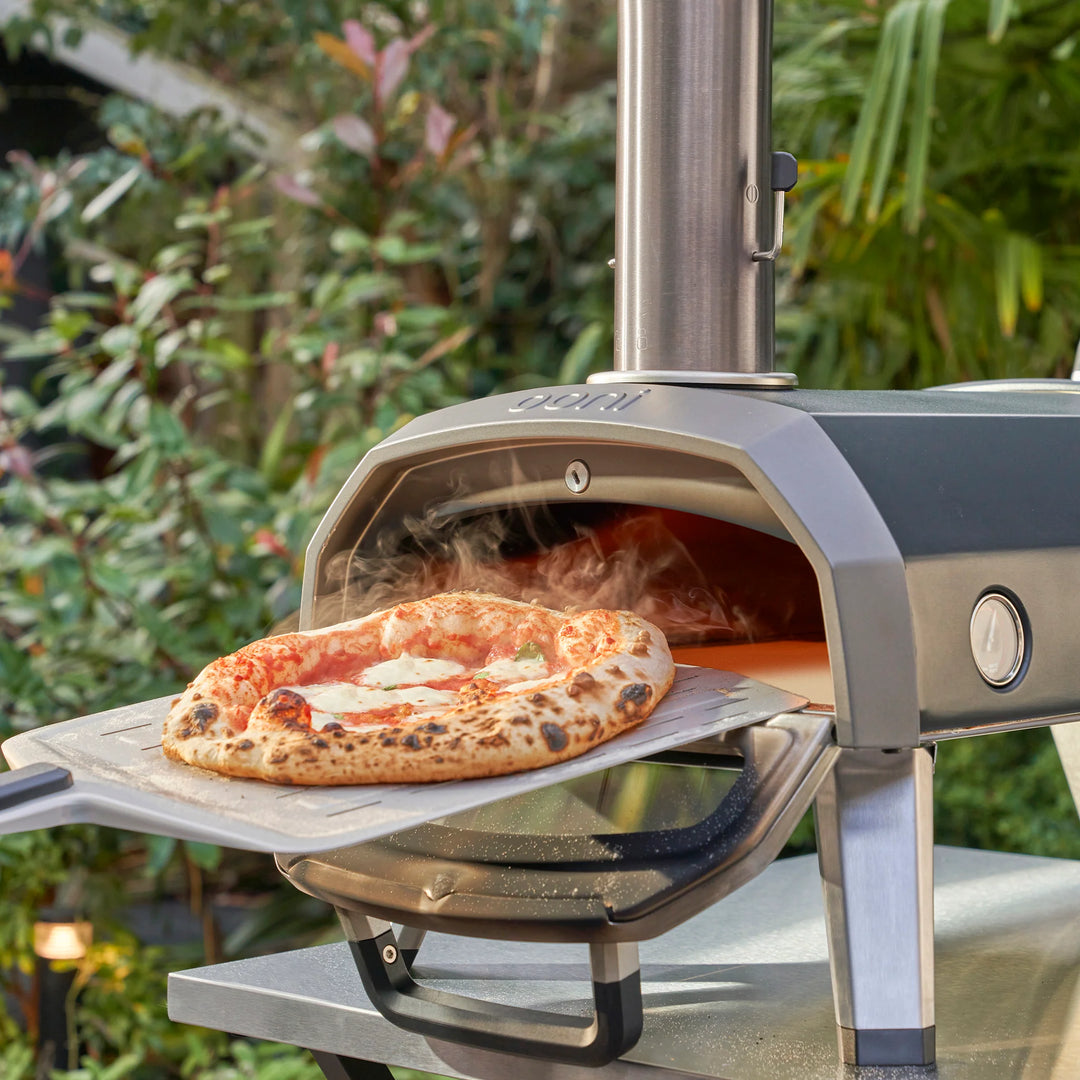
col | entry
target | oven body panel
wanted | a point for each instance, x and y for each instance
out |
(982, 472)
(944, 591)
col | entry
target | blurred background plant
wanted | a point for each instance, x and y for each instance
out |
(934, 236)
(227, 323)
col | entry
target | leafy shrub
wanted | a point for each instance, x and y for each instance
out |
(232, 339)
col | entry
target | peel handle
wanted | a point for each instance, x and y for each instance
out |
(32, 782)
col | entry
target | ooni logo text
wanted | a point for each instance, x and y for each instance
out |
(596, 401)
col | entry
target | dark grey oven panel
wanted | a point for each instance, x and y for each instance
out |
(1045, 586)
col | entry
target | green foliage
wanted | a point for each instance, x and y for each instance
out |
(1007, 793)
(232, 340)
(938, 241)
(260, 1061)
(1003, 792)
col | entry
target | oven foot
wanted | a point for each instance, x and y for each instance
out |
(345, 1068)
(874, 819)
(891, 1046)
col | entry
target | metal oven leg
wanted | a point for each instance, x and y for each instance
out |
(874, 818)
(344, 1068)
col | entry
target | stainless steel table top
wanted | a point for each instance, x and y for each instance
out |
(740, 992)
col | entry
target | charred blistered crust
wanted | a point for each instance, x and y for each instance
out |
(287, 709)
(581, 683)
(236, 719)
(633, 697)
(197, 720)
(203, 715)
(555, 737)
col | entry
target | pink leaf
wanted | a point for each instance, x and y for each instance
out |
(355, 133)
(16, 459)
(393, 65)
(21, 159)
(329, 357)
(270, 543)
(438, 128)
(419, 39)
(293, 189)
(360, 40)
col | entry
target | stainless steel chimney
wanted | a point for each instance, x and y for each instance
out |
(694, 201)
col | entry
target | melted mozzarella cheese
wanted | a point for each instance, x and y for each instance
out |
(514, 671)
(410, 670)
(521, 687)
(334, 702)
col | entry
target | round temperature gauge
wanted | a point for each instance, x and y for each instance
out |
(997, 639)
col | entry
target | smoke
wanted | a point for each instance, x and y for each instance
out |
(631, 562)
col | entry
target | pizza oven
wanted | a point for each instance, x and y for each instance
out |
(899, 560)
(845, 578)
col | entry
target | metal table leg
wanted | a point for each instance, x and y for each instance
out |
(874, 818)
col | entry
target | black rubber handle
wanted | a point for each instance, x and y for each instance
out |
(612, 1030)
(785, 171)
(31, 782)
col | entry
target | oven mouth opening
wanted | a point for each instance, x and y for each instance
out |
(726, 595)
(702, 580)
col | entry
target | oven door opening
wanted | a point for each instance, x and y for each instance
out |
(726, 595)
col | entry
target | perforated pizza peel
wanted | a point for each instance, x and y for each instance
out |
(108, 769)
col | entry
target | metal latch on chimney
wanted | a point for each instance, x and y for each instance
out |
(785, 173)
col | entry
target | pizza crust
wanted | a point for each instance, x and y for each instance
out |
(236, 717)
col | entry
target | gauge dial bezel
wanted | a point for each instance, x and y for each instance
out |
(1014, 611)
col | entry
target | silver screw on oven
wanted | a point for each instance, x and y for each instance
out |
(389, 954)
(577, 476)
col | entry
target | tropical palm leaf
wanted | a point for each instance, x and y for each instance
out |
(934, 233)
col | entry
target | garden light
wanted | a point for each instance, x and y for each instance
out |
(62, 940)
(58, 936)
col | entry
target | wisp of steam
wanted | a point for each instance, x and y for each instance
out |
(633, 562)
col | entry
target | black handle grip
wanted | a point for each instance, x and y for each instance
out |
(31, 782)
(785, 171)
(614, 1027)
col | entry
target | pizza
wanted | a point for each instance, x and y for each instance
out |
(452, 687)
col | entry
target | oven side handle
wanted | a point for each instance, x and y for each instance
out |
(614, 1027)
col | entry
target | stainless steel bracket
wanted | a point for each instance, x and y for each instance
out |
(727, 380)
